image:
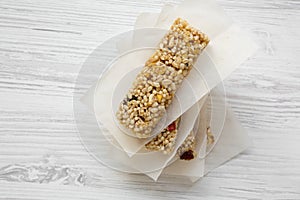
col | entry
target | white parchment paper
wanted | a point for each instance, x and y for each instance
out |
(229, 47)
(233, 141)
(140, 160)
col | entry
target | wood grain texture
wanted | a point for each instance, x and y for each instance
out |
(42, 47)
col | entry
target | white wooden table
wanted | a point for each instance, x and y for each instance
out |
(42, 47)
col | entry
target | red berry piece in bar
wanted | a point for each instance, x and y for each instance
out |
(172, 126)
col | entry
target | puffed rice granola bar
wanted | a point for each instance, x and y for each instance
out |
(165, 141)
(154, 88)
(187, 151)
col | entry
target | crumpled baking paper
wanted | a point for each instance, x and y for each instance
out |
(228, 48)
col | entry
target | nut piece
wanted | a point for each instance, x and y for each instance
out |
(210, 136)
(159, 97)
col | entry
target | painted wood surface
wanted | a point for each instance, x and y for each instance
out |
(42, 47)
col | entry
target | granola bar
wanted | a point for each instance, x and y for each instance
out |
(165, 141)
(154, 88)
(187, 151)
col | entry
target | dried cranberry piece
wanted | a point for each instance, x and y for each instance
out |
(188, 155)
(172, 126)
